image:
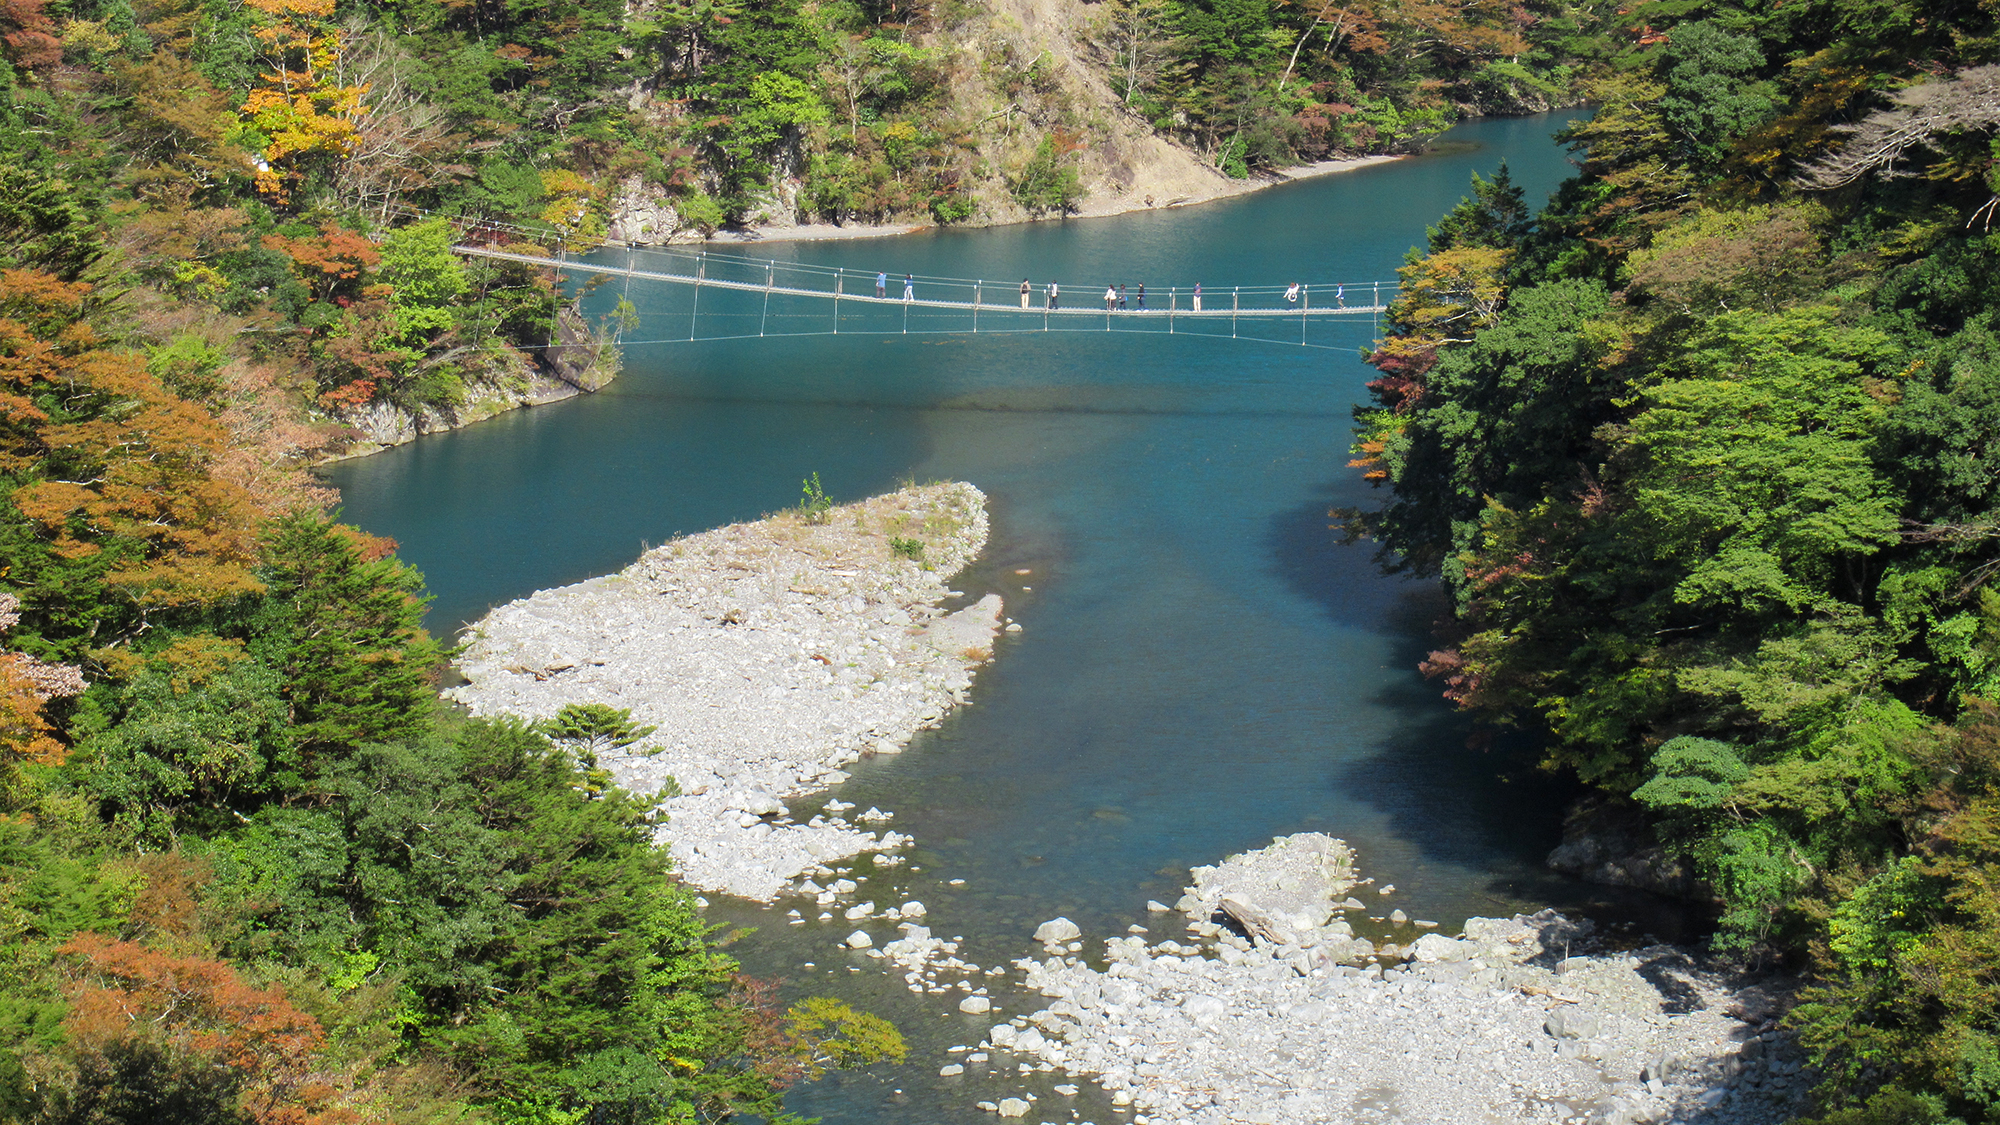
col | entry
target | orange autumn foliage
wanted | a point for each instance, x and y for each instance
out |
(138, 458)
(337, 255)
(200, 1009)
(27, 35)
(24, 734)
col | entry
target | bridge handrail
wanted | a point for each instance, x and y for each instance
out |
(741, 268)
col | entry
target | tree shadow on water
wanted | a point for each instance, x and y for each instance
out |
(1459, 793)
(1346, 579)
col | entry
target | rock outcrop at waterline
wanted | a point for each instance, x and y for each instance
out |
(768, 655)
(579, 363)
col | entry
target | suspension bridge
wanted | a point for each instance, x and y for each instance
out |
(733, 297)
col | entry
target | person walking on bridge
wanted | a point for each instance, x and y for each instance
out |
(1110, 298)
(881, 286)
(909, 287)
(1055, 295)
(1121, 298)
(1197, 296)
(1142, 297)
(1292, 294)
(1024, 292)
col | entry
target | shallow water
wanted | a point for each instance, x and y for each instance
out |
(1202, 666)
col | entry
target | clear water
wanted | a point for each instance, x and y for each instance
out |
(1201, 667)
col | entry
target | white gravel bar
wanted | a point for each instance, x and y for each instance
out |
(1305, 1024)
(768, 655)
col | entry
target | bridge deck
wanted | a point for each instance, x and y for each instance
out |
(1086, 306)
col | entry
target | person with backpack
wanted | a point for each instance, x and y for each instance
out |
(1024, 292)
(909, 287)
(1055, 295)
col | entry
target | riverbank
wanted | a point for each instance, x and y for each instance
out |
(1275, 1013)
(1185, 194)
(767, 655)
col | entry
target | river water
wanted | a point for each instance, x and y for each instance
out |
(1202, 666)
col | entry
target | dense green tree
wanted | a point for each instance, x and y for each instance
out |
(342, 626)
(1713, 94)
(1738, 565)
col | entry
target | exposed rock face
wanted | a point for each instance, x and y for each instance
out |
(381, 425)
(1612, 842)
(768, 655)
(1512, 1022)
(579, 358)
(643, 214)
(578, 364)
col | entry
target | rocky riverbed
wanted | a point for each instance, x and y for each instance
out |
(768, 655)
(1274, 1012)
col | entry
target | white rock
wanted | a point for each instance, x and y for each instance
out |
(1201, 1006)
(914, 910)
(1056, 931)
(1433, 948)
(975, 1005)
(1013, 1107)
(859, 939)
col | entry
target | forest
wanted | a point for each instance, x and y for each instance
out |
(1707, 453)
(251, 870)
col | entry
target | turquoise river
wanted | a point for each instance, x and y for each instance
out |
(1202, 665)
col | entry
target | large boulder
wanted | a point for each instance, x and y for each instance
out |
(1281, 894)
(1055, 931)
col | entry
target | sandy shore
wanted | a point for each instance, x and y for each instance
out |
(1093, 208)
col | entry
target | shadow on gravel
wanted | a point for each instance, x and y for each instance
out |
(1668, 976)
